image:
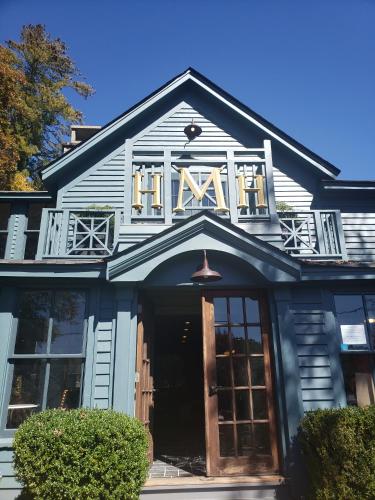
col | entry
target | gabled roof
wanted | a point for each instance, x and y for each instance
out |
(202, 231)
(196, 78)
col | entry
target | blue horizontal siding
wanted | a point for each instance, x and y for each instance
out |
(104, 351)
(103, 185)
(312, 344)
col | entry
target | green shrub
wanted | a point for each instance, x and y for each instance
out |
(339, 446)
(81, 454)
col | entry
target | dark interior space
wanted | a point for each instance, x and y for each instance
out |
(178, 420)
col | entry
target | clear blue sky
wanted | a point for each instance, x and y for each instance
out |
(307, 66)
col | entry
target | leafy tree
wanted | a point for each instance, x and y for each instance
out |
(35, 114)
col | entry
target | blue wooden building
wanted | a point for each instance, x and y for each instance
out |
(98, 308)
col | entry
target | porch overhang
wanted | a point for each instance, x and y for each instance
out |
(203, 231)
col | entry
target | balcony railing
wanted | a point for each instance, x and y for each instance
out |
(93, 233)
(87, 233)
(316, 234)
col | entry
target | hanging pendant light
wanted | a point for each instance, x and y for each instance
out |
(204, 274)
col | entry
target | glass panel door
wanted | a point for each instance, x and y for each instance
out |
(240, 423)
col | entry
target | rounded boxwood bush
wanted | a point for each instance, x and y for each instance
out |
(339, 446)
(81, 454)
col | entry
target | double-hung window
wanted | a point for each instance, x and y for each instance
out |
(46, 361)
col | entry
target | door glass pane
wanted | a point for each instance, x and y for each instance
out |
(260, 404)
(262, 438)
(32, 329)
(240, 371)
(64, 385)
(222, 340)
(254, 334)
(225, 406)
(242, 405)
(69, 314)
(223, 372)
(236, 310)
(27, 391)
(226, 440)
(257, 371)
(238, 340)
(245, 440)
(220, 310)
(252, 310)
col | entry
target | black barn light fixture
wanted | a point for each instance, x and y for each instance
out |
(204, 274)
(192, 131)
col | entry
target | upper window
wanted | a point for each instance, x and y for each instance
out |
(34, 215)
(46, 362)
(169, 184)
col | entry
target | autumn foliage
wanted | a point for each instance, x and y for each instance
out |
(35, 115)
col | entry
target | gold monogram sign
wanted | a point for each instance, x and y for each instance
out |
(199, 192)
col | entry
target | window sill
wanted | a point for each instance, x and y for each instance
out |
(6, 442)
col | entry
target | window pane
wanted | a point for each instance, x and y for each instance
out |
(4, 215)
(350, 311)
(245, 440)
(226, 440)
(240, 371)
(238, 340)
(68, 321)
(260, 405)
(31, 245)
(223, 372)
(27, 391)
(236, 310)
(64, 386)
(254, 335)
(225, 406)
(222, 340)
(252, 310)
(220, 310)
(242, 405)
(33, 322)
(262, 439)
(34, 215)
(257, 371)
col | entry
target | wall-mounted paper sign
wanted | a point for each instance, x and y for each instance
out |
(353, 334)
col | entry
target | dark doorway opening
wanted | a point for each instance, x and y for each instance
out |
(178, 418)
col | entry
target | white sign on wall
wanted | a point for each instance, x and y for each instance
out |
(353, 334)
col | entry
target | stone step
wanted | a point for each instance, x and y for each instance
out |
(232, 491)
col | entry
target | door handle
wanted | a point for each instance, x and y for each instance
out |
(212, 390)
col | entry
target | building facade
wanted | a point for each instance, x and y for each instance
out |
(98, 309)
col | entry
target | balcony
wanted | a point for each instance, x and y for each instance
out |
(316, 234)
(93, 233)
(84, 234)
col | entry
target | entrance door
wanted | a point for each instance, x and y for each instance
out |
(239, 412)
(144, 383)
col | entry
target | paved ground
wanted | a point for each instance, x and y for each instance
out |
(177, 467)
